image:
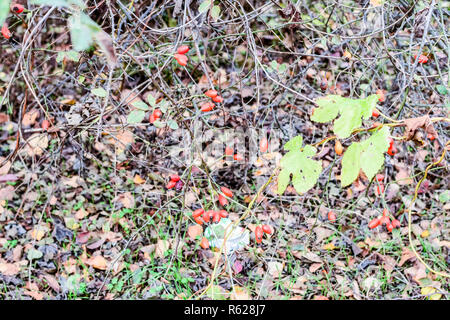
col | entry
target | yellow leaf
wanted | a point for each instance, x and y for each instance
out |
(329, 246)
(425, 234)
(138, 179)
(347, 54)
(428, 291)
(37, 233)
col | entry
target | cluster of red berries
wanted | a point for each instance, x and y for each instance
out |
(155, 115)
(229, 152)
(422, 58)
(384, 219)
(180, 56)
(174, 179)
(260, 230)
(200, 215)
(208, 106)
(15, 8)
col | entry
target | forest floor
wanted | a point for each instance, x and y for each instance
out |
(85, 212)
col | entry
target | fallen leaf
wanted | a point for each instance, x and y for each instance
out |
(239, 293)
(9, 269)
(29, 118)
(430, 293)
(7, 193)
(98, 262)
(36, 144)
(162, 246)
(138, 179)
(195, 231)
(406, 256)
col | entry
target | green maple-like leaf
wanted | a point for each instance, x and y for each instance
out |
(298, 162)
(367, 155)
(4, 10)
(351, 111)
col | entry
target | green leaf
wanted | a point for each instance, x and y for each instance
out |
(136, 116)
(60, 3)
(151, 100)
(215, 12)
(82, 31)
(172, 124)
(282, 68)
(204, 6)
(71, 55)
(351, 164)
(99, 92)
(294, 144)
(305, 171)
(274, 65)
(34, 254)
(367, 155)
(4, 10)
(328, 108)
(441, 89)
(140, 105)
(159, 124)
(351, 111)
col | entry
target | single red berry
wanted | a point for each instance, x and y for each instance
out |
(431, 137)
(45, 124)
(374, 223)
(170, 184)
(198, 220)
(331, 216)
(258, 234)
(238, 157)
(266, 229)
(211, 93)
(183, 49)
(229, 151)
(222, 200)
(157, 113)
(181, 59)
(204, 243)
(198, 212)
(5, 31)
(389, 226)
(263, 145)
(17, 8)
(216, 217)
(223, 213)
(217, 99)
(152, 118)
(226, 192)
(392, 151)
(396, 223)
(375, 113)
(208, 106)
(422, 58)
(174, 177)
